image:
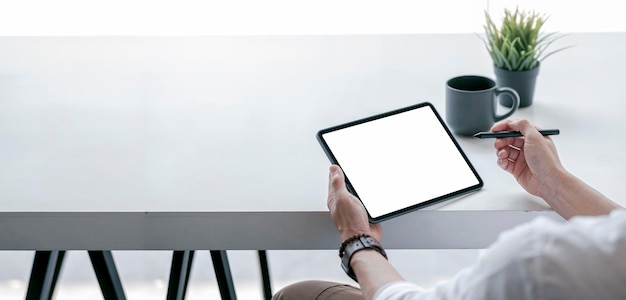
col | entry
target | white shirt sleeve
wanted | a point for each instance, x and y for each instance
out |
(581, 259)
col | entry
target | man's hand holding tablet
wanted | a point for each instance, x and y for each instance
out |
(400, 161)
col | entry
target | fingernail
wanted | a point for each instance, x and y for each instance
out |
(503, 163)
(334, 169)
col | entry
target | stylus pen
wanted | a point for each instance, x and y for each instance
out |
(504, 134)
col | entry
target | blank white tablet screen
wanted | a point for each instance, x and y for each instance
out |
(400, 160)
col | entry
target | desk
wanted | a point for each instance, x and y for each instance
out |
(178, 143)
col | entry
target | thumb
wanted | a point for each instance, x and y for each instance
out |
(336, 181)
(524, 126)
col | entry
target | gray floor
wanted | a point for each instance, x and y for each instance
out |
(144, 274)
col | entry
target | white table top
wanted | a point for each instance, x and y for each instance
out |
(227, 124)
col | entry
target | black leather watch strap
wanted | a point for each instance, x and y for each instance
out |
(355, 245)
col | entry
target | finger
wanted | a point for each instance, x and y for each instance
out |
(514, 153)
(502, 143)
(508, 164)
(518, 142)
(503, 163)
(501, 126)
(503, 154)
(503, 159)
(510, 159)
(336, 182)
(524, 126)
(510, 153)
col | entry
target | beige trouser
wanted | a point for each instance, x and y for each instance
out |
(318, 290)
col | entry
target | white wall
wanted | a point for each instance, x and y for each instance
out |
(197, 17)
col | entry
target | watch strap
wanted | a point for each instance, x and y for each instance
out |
(354, 245)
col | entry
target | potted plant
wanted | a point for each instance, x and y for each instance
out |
(517, 48)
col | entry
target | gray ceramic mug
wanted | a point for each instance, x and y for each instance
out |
(472, 102)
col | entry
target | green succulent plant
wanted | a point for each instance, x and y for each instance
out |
(518, 44)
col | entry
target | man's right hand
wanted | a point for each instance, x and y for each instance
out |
(531, 159)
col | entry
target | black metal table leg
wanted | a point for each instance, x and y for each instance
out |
(222, 273)
(107, 275)
(179, 275)
(44, 275)
(265, 275)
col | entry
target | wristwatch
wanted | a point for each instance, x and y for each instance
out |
(355, 244)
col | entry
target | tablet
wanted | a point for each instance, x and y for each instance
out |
(400, 161)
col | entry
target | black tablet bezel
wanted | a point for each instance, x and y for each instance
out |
(396, 213)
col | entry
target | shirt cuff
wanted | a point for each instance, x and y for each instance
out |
(398, 290)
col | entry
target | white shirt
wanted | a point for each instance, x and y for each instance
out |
(584, 258)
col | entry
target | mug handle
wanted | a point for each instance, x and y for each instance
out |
(514, 95)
